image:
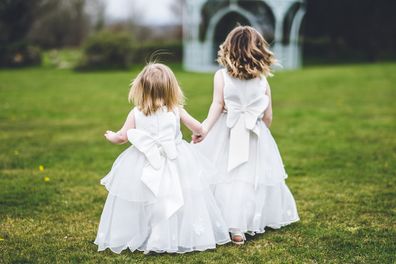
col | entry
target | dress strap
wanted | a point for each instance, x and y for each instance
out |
(176, 111)
(135, 112)
(225, 75)
(265, 82)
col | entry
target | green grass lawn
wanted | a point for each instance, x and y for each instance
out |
(335, 127)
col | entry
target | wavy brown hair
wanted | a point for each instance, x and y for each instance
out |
(154, 87)
(245, 54)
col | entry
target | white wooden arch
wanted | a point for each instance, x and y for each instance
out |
(296, 25)
(198, 54)
(222, 12)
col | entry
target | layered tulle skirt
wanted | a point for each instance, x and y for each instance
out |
(254, 195)
(128, 220)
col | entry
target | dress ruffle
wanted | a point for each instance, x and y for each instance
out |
(126, 220)
(254, 195)
(250, 209)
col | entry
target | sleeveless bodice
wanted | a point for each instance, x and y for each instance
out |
(245, 101)
(162, 124)
(246, 93)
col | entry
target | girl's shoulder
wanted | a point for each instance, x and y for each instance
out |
(135, 113)
(135, 110)
(220, 73)
(221, 76)
(223, 73)
(176, 110)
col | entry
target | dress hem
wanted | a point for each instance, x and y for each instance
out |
(262, 230)
(165, 250)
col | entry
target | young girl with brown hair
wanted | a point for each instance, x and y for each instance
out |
(250, 190)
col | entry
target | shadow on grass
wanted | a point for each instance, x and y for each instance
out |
(269, 231)
(26, 193)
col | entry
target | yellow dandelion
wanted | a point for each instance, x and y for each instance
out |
(46, 179)
(41, 168)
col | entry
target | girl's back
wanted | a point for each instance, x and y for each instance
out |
(251, 190)
(162, 123)
(245, 92)
(159, 199)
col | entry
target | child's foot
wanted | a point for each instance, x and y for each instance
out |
(250, 233)
(237, 237)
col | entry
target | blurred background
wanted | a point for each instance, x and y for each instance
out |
(65, 70)
(90, 34)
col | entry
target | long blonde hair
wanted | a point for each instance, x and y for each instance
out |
(154, 87)
(245, 54)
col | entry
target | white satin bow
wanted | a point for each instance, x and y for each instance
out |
(160, 173)
(242, 119)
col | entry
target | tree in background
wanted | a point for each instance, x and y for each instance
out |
(16, 20)
(107, 50)
(96, 11)
(27, 25)
(177, 8)
(64, 23)
(337, 29)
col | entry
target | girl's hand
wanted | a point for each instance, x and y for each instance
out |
(121, 137)
(113, 137)
(196, 138)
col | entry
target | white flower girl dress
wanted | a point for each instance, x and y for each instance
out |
(159, 197)
(250, 189)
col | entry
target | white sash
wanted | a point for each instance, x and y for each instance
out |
(242, 119)
(160, 174)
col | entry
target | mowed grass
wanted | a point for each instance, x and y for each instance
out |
(335, 127)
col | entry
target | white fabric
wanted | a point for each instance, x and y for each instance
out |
(159, 197)
(160, 152)
(243, 114)
(252, 195)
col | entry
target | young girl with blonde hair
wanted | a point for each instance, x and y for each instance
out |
(159, 199)
(250, 189)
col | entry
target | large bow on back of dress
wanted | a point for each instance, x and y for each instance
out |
(160, 173)
(242, 119)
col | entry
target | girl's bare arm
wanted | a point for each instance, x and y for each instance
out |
(190, 122)
(267, 118)
(217, 106)
(121, 137)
